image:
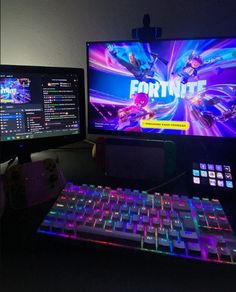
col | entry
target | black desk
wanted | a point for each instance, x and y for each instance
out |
(29, 264)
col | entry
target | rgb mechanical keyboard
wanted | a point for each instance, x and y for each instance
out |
(160, 223)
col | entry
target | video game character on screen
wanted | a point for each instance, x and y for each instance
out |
(206, 118)
(141, 69)
(15, 90)
(193, 64)
(193, 93)
(129, 117)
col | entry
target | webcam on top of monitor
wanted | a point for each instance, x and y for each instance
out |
(146, 33)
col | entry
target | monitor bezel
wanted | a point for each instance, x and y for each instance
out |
(11, 148)
(143, 135)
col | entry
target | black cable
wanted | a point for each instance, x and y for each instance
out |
(10, 162)
(72, 148)
(90, 141)
(167, 182)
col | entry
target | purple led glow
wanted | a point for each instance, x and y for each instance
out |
(209, 109)
(207, 236)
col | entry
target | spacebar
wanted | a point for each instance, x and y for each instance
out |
(120, 237)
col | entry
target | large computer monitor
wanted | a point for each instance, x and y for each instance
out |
(166, 88)
(41, 108)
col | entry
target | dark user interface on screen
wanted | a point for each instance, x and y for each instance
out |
(38, 105)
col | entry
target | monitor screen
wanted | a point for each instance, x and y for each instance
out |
(41, 104)
(173, 87)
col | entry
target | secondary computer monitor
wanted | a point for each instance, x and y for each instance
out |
(164, 88)
(41, 108)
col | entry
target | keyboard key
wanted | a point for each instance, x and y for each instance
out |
(139, 202)
(51, 216)
(119, 237)
(130, 201)
(167, 205)
(88, 212)
(163, 244)
(201, 220)
(134, 210)
(140, 229)
(174, 215)
(104, 197)
(212, 253)
(109, 224)
(100, 223)
(58, 226)
(151, 230)
(183, 215)
(163, 213)
(153, 212)
(143, 211)
(156, 222)
(129, 227)
(149, 242)
(46, 225)
(166, 223)
(89, 203)
(161, 232)
(194, 249)
(224, 254)
(125, 217)
(145, 220)
(89, 221)
(157, 203)
(97, 213)
(179, 247)
(119, 226)
(80, 220)
(124, 208)
(148, 203)
(69, 229)
(113, 199)
(98, 205)
(189, 236)
(135, 218)
(188, 224)
(181, 206)
(223, 223)
(106, 207)
(176, 224)
(116, 216)
(122, 198)
(106, 215)
(221, 242)
(219, 211)
(212, 221)
(116, 208)
(173, 234)
(81, 202)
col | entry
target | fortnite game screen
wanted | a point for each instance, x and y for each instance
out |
(15, 90)
(178, 87)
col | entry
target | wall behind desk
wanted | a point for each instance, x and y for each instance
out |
(54, 32)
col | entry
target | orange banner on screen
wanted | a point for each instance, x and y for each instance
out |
(173, 125)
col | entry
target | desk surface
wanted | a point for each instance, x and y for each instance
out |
(32, 264)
